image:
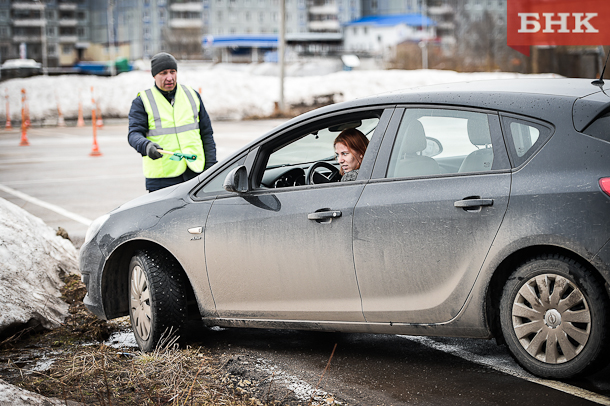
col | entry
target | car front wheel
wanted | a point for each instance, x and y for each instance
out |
(554, 318)
(157, 298)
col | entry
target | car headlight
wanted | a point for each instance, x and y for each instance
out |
(95, 227)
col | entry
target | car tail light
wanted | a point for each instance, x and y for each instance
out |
(604, 183)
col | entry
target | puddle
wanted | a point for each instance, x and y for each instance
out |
(122, 339)
(43, 364)
(26, 362)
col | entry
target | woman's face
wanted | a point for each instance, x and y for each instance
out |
(346, 158)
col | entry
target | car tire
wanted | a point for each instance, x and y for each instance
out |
(554, 318)
(157, 298)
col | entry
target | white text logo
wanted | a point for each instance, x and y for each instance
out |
(530, 22)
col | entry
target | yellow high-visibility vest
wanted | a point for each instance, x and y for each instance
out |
(175, 128)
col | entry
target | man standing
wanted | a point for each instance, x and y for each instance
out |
(170, 117)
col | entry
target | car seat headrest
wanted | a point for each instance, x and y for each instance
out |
(414, 140)
(478, 131)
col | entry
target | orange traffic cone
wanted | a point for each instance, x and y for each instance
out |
(8, 125)
(81, 120)
(60, 117)
(24, 129)
(99, 123)
(28, 123)
(95, 151)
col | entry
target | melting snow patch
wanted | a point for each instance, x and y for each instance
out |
(33, 260)
(226, 92)
(301, 389)
(14, 396)
(43, 364)
(122, 339)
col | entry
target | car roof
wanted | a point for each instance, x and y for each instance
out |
(540, 86)
(543, 98)
(478, 92)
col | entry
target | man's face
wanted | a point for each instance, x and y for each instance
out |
(166, 79)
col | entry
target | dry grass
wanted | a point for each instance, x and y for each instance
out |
(105, 376)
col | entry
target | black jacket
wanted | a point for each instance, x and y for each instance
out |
(138, 128)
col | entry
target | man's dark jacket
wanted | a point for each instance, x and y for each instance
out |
(138, 128)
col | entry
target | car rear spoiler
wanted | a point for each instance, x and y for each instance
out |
(587, 109)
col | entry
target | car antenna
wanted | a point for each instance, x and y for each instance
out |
(600, 82)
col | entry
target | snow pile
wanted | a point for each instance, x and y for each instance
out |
(14, 396)
(33, 257)
(229, 92)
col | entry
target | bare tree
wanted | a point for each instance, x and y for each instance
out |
(481, 42)
(183, 43)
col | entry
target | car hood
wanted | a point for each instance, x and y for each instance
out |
(171, 192)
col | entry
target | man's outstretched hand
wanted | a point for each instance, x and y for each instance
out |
(152, 150)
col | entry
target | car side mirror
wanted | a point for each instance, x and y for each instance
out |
(237, 180)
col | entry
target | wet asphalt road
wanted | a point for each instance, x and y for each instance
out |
(391, 370)
(57, 180)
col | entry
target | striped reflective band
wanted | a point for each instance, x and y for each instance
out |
(173, 130)
(159, 130)
(155, 109)
(192, 100)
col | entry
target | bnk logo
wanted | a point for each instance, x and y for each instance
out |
(530, 22)
(557, 22)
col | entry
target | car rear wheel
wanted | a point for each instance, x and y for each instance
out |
(157, 298)
(553, 315)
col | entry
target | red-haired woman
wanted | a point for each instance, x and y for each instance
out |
(350, 147)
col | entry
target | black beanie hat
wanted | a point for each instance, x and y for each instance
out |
(162, 61)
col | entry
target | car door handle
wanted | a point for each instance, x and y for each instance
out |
(469, 203)
(324, 215)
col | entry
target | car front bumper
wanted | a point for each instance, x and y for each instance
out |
(91, 261)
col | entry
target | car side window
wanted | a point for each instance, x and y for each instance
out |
(288, 163)
(524, 138)
(441, 141)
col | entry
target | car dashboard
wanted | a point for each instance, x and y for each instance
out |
(290, 175)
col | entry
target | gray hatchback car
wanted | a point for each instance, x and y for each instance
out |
(480, 210)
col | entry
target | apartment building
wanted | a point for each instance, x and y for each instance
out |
(141, 28)
(61, 32)
(390, 7)
(185, 28)
(313, 27)
(53, 32)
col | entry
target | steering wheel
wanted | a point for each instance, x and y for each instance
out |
(313, 177)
